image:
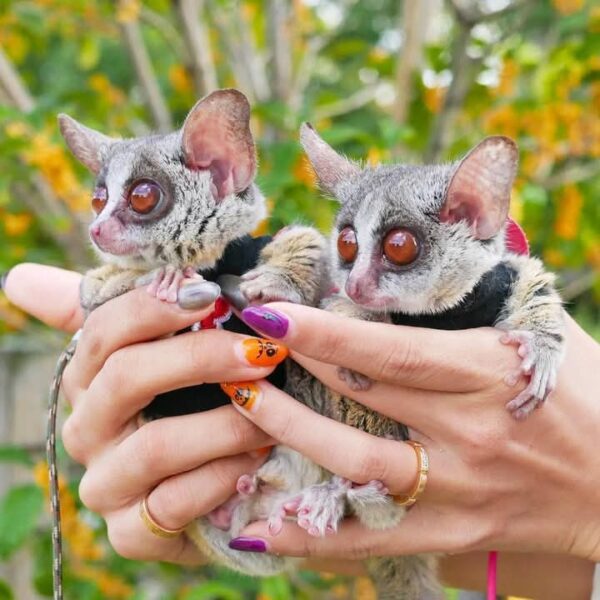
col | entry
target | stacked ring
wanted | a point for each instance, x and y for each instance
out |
(153, 526)
(422, 474)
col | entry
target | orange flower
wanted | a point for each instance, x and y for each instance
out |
(180, 79)
(16, 224)
(434, 98)
(567, 7)
(303, 172)
(570, 203)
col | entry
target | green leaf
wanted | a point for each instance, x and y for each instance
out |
(15, 454)
(5, 591)
(213, 590)
(20, 509)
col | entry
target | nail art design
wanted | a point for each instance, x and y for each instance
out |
(266, 320)
(263, 353)
(245, 394)
(248, 544)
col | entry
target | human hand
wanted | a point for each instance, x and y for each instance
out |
(494, 483)
(122, 361)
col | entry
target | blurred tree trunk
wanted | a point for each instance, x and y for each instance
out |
(191, 16)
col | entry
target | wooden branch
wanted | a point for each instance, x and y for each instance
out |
(278, 14)
(13, 85)
(163, 26)
(415, 18)
(227, 36)
(469, 12)
(346, 105)
(461, 67)
(155, 101)
(198, 43)
(304, 71)
(578, 286)
(251, 57)
(570, 174)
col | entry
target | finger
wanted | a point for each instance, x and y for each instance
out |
(49, 294)
(131, 539)
(431, 359)
(421, 531)
(146, 319)
(325, 441)
(134, 374)
(167, 447)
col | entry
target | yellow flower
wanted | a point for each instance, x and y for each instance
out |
(570, 203)
(303, 172)
(508, 76)
(102, 86)
(374, 156)
(567, 7)
(11, 316)
(434, 98)
(554, 257)
(128, 11)
(16, 129)
(16, 224)
(180, 79)
(502, 120)
(364, 589)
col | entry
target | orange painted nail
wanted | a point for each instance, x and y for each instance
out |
(260, 452)
(245, 394)
(263, 353)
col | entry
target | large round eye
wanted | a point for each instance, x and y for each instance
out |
(400, 246)
(144, 196)
(347, 244)
(99, 199)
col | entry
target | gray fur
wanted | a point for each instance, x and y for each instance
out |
(205, 172)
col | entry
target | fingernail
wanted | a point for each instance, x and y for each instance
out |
(263, 353)
(266, 320)
(3, 279)
(245, 394)
(230, 288)
(248, 544)
(260, 452)
(193, 296)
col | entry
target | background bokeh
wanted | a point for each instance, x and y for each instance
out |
(382, 80)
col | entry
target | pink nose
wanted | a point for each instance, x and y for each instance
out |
(95, 231)
(357, 290)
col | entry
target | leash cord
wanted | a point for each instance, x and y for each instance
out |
(57, 553)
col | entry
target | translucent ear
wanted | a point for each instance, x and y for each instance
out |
(216, 136)
(330, 167)
(87, 145)
(479, 192)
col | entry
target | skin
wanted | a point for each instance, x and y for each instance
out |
(494, 483)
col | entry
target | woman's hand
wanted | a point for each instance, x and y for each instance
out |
(494, 483)
(186, 465)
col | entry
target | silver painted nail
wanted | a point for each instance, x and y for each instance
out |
(192, 296)
(230, 288)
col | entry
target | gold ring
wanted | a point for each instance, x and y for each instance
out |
(153, 526)
(422, 474)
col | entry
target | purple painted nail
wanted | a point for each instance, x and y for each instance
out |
(266, 320)
(248, 544)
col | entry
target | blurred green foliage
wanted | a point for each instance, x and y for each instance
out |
(530, 70)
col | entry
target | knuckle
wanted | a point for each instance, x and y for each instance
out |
(482, 443)
(172, 502)
(90, 493)
(371, 463)
(93, 334)
(152, 447)
(243, 432)
(73, 437)
(123, 540)
(401, 357)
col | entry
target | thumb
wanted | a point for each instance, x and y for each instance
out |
(48, 293)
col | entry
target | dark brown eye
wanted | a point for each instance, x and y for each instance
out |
(144, 196)
(400, 246)
(347, 244)
(99, 199)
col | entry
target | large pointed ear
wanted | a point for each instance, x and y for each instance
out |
(479, 191)
(331, 168)
(216, 136)
(86, 144)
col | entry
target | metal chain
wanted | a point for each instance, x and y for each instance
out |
(63, 361)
